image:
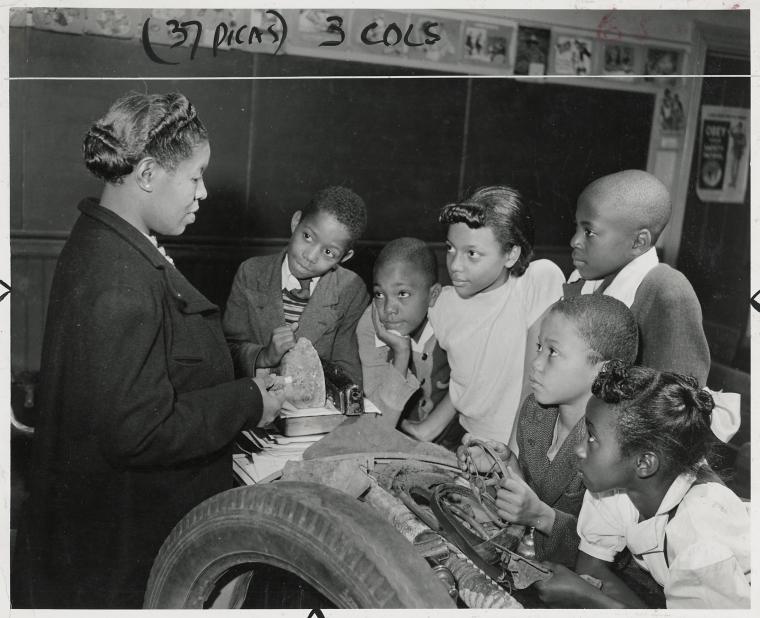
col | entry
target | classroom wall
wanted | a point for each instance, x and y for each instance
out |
(407, 146)
(715, 248)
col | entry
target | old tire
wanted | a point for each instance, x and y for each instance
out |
(336, 544)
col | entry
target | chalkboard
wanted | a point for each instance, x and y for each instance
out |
(409, 146)
(551, 140)
(397, 142)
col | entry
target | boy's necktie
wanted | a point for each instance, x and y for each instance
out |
(576, 287)
(573, 289)
(304, 292)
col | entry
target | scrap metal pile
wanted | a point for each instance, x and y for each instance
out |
(448, 516)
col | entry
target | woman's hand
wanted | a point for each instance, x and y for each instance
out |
(281, 341)
(272, 398)
(516, 502)
(478, 457)
(564, 588)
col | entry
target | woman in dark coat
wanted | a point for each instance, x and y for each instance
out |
(138, 402)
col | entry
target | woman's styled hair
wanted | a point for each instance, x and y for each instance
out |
(606, 324)
(502, 209)
(658, 411)
(163, 126)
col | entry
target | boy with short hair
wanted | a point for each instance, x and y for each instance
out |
(406, 373)
(619, 218)
(303, 291)
(577, 336)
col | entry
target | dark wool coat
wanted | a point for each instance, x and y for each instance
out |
(557, 482)
(254, 309)
(671, 336)
(138, 410)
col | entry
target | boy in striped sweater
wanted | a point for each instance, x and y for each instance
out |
(303, 291)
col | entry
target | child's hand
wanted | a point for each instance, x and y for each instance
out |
(281, 341)
(517, 503)
(411, 429)
(564, 588)
(400, 344)
(482, 461)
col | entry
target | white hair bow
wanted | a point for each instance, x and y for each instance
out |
(726, 415)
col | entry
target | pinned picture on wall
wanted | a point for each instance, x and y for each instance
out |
(532, 51)
(70, 21)
(219, 24)
(445, 48)
(619, 60)
(17, 17)
(314, 27)
(572, 55)
(662, 65)
(672, 114)
(380, 33)
(315, 21)
(487, 43)
(271, 26)
(723, 154)
(160, 28)
(117, 23)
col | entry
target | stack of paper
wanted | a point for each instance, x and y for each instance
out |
(264, 452)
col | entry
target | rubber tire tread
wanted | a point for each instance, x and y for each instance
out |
(333, 541)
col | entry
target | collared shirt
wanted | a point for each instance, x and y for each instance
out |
(413, 395)
(289, 282)
(154, 241)
(625, 284)
(708, 541)
(417, 346)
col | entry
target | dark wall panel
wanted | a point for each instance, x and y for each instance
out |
(397, 143)
(551, 140)
(55, 116)
(715, 246)
(52, 118)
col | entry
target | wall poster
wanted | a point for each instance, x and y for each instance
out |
(572, 55)
(723, 154)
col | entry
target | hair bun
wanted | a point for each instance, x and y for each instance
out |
(700, 401)
(104, 154)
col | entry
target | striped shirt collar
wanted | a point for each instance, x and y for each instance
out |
(289, 282)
